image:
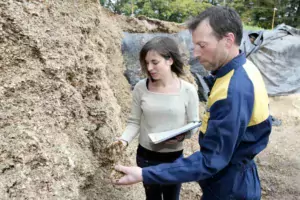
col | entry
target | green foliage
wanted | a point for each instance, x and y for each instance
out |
(260, 12)
(181, 10)
(253, 12)
(252, 28)
(102, 2)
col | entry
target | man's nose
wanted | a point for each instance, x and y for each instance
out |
(196, 52)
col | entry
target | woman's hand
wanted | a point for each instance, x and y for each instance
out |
(117, 146)
(176, 139)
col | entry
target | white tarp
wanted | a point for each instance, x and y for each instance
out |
(276, 53)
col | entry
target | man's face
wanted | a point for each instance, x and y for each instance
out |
(211, 52)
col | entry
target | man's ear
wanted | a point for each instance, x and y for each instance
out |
(230, 39)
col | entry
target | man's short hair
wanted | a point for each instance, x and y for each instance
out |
(222, 20)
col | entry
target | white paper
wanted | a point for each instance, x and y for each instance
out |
(163, 136)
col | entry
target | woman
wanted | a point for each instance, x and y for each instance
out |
(161, 102)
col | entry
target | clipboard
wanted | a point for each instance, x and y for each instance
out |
(165, 135)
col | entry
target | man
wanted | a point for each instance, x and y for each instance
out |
(236, 125)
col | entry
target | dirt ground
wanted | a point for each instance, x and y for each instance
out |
(279, 164)
(64, 98)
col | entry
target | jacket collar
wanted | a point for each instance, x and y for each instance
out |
(233, 64)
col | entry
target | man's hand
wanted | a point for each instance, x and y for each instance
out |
(131, 176)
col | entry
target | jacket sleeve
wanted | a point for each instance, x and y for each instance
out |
(228, 120)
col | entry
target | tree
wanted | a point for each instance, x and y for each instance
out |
(291, 13)
(252, 12)
(170, 10)
(181, 10)
(116, 6)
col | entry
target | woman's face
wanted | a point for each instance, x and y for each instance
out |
(157, 66)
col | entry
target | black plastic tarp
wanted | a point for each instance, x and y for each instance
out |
(276, 53)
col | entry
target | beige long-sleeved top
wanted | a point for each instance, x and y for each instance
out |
(156, 112)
